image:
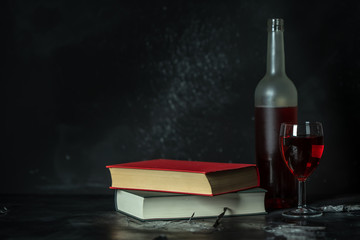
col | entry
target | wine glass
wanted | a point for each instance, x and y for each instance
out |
(302, 145)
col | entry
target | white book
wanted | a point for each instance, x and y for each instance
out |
(147, 205)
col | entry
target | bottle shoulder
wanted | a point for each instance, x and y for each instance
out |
(275, 91)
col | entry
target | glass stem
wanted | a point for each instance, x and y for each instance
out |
(301, 194)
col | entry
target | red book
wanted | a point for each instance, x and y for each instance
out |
(190, 177)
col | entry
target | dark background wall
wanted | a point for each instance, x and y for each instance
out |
(92, 83)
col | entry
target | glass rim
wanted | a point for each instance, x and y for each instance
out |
(310, 123)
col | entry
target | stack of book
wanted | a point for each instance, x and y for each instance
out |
(175, 189)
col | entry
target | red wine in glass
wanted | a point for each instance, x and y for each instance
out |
(301, 146)
(302, 154)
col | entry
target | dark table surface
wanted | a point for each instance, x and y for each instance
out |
(93, 217)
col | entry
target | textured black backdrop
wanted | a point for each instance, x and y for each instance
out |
(92, 83)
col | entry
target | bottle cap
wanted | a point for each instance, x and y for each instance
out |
(275, 24)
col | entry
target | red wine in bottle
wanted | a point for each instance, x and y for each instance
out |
(275, 102)
(275, 177)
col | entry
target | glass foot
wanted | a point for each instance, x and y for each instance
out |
(302, 212)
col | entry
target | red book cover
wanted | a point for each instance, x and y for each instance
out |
(148, 183)
(181, 166)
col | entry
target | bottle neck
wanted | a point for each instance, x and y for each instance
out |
(275, 53)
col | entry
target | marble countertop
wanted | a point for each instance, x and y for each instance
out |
(94, 217)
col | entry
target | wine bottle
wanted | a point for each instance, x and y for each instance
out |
(275, 102)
